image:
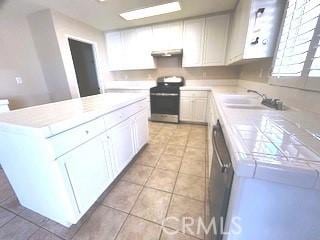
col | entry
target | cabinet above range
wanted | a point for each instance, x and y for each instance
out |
(249, 32)
(203, 40)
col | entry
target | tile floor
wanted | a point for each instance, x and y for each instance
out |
(167, 179)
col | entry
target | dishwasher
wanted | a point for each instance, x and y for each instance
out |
(220, 182)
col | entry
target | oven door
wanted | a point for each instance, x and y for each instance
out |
(220, 182)
(165, 106)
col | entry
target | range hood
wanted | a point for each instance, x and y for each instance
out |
(167, 53)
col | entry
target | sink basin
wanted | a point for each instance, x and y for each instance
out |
(240, 99)
(247, 106)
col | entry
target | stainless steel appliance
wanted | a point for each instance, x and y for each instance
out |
(165, 99)
(220, 181)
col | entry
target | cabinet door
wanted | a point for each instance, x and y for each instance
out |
(199, 107)
(168, 36)
(186, 109)
(129, 40)
(122, 144)
(160, 37)
(175, 33)
(143, 58)
(87, 170)
(141, 129)
(114, 50)
(239, 28)
(216, 40)
(193, 42)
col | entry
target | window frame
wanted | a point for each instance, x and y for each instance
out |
(304, 81)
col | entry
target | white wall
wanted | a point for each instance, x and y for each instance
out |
(47, 47)
(173, 66)
(18, 58)
(255, 76)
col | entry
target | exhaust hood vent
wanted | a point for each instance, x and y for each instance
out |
(167, 53)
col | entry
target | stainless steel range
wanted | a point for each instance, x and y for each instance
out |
(165, 99)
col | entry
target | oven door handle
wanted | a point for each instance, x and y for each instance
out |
(224, 167)
(164, 94)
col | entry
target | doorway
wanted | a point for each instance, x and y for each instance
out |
(85, 67)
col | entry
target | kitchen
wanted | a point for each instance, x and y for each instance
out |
(159, 120)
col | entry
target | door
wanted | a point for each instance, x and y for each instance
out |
(88, 172)
(216, 40)
(193, 40)
(186, 109)
(141, 129)
(199, 107)
(85, 67)
(122, 143)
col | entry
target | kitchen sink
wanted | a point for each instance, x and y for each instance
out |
(247, 106)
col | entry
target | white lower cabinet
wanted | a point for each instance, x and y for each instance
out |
(199, 110)
(141, 133)
(87, 170)
(186, 109)
(122, 146)
(193, 107)
(90, 167)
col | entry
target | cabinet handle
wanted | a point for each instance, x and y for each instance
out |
(87, 132)
(255, 41)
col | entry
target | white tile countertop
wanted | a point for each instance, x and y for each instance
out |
(278, 146)
(4, 102)
(53, 118)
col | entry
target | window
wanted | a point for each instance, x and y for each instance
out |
(298, 54)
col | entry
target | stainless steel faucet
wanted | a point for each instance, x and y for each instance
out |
(256, 92)
(269, 102)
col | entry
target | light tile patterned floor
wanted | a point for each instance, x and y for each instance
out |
(167, 179)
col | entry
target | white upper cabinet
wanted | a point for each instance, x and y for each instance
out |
(129, 41)
(115, 51)
(193, 42)
(205, 41)
(254, 28)
(130, 49)
(168, 36)
(216, 38)
(144, 44)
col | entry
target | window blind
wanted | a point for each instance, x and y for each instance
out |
(297, 40)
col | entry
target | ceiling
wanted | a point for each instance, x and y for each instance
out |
(105, 15)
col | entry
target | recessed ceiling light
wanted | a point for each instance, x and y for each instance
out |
(152, 11)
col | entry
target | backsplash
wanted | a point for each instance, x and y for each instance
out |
(255, 76)
(172, 66)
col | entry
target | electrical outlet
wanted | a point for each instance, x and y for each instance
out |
(19, 80)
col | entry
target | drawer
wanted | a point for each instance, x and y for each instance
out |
(200, 94)
(74, 137)
(120, 115)
(113, 118)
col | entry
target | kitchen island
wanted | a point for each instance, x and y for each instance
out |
(60, 157)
